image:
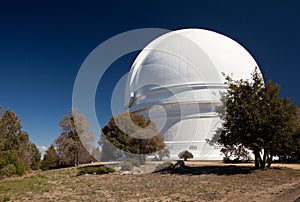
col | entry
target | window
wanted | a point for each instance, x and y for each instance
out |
(193, 147)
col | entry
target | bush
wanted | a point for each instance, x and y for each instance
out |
(126, 166)
(6, 198)
(10, 158)
(35, 165)
(185, 155)
(129, 163)
(99, 170)
(8, 171)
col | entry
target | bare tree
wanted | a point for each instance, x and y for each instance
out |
(75, 143)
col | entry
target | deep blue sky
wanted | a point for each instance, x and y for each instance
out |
(43, 44)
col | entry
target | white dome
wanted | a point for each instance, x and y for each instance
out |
(182, 72)
(192, 53)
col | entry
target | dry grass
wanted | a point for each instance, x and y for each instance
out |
(197, 183)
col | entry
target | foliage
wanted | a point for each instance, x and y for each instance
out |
(133, 162)
(6, 198)
(141, 147)
(159, 155)
(296, 154)
(17, 153)
(255, 117)
(50, 160)
(74, 144)
(126, 166)
(129, 163)
(35, 157)
(95, 170)
(131, 135)
(8, 159)
(185, 155)
(10, 131)
(8, 171)
(238, 153)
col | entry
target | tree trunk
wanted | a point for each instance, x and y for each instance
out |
(142, 158)
(256, 159)
(263, 161)
(270, 159)
(260, 163)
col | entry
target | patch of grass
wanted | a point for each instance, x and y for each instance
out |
(6, 198)
(24, 185)
(21, 187)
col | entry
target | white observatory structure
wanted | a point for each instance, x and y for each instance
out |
(176, 81)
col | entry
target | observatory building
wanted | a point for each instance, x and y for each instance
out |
(176, 81)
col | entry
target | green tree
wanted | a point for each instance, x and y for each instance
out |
(255, 117)
(50, 160)
(74, 144)
(23, 149)
(131, 135)
(15, 148)
(185, 155)
(294, 155)
(35, 157)
(10, 129)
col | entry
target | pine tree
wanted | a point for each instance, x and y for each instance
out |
(50, 160)
(15, 148)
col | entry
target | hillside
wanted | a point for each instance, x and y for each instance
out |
(203, 183)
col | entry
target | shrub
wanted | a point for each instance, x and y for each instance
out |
(99, 170)
(133, 161)
(129, 163)
(6, 198)
(8, 171)
(10, 157)
(126, 166)
(185, 155)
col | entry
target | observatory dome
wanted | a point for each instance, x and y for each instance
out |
(176, 81)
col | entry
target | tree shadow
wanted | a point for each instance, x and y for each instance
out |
(202, 170)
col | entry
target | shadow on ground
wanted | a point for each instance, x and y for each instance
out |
(217, 170)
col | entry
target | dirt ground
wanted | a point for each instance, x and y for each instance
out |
(200, 181)
(220, 163)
